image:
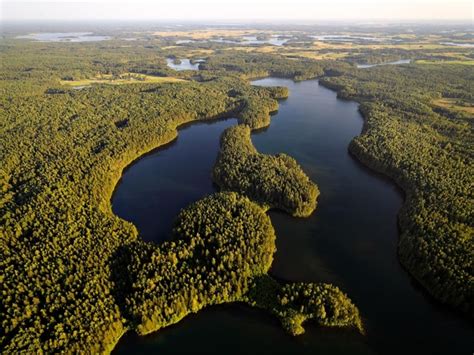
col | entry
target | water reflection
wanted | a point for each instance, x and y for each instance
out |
(65, 37)
(183, 64)
(351, 240)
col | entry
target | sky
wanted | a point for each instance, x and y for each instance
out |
(270, 10)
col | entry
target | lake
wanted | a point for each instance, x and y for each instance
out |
(184, 65)
(351, 240)
(458, 44)
(274, 40)
(65, 37)
(346, 38)
(151, 198)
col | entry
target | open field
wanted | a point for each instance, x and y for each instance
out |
(453, 104)
(452, 62)
(311, 54)
(126, 78)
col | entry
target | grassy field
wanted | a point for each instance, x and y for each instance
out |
(127, 78)
(453, 104)
(259, 49)
(316, 55)
(403, 46)
(301, 52)
(437, 62)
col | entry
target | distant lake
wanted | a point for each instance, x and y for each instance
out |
(274, 40)
(184, 65)
(457, 44)
(64, 37)
(345, 38)
(396, 62)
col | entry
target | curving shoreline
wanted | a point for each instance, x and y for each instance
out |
(274, 181)
(359, 159)
(409, 240)
(272, 307)
(169, 137)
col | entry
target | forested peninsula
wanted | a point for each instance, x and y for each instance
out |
(273, 181)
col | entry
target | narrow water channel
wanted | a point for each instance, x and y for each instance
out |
(351, 239)
(397, 62)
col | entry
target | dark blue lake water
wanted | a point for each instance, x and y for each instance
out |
(351, 239)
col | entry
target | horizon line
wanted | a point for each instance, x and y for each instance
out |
(241, 20)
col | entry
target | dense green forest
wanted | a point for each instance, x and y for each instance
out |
(261, 65)
(273, 181)
(75, 277)
(58, 233)
(219, 244)
(296, 303)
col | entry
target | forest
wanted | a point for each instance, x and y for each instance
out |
(219, 244)
(75, 277)
(299, 302)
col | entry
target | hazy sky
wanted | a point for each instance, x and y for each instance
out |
(237, 9)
